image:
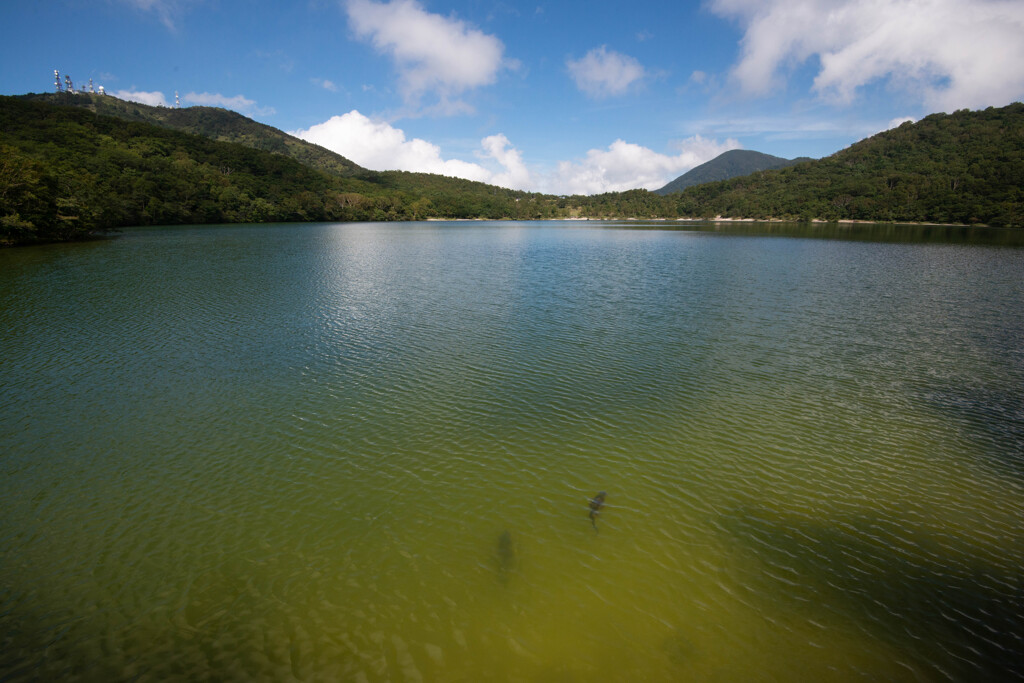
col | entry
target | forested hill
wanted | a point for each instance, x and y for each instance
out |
(433, 195)
(965, 167)
(67, 173)
(731, 164)
(211, 122)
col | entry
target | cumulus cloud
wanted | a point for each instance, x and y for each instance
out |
(951, 53)
(153, 99)
(604, 73)
(515, 173)
(379, 146)
(433, 54)
(238, 103)
(628, 166)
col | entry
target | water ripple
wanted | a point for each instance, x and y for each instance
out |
(292, 452)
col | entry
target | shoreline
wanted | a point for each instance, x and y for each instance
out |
(716, 219)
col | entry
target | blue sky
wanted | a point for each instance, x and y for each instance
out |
(566, 97)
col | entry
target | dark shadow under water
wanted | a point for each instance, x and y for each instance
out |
(506, 556)
(992, 416)
(956, 620)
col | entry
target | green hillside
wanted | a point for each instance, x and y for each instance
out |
(445, 197)
(68, 172)
(731, 164)
(211, 122)
(965, 167)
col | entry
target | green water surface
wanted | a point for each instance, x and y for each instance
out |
(292, 451)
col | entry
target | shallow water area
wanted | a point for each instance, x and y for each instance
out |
(366, 452)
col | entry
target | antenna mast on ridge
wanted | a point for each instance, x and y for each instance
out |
(70, 87)
(177, 102)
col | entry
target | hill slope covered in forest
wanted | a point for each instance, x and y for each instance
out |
(965, 167)
(215, 123)
(731, 164)
(67, 172)
(450, 197)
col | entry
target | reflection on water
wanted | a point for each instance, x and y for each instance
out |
(369, 452)
(858, 232)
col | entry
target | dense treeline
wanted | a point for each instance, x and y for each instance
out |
(966, 167)
(68, 172)
(444, 197)
(218, 124)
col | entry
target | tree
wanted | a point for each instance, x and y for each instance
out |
(26, 200)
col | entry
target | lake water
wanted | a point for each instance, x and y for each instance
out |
(294, 451)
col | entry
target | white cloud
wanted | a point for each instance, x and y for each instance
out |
(603, 73)
(628, 166)
(951, 54)
(324, 83)
(167, 11)
(786, 127)
(433, 54)
(238, 103)
(896, 123)
(515, 174)
(209, 99)
(380, 146)
(153, 99)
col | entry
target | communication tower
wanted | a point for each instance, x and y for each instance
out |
(177, 102)
(56, 80)
(68, 85)
(91, 89)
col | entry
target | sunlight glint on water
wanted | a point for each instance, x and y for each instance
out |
(291, 451)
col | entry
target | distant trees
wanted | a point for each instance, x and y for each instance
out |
(967, 167)
(68, 173)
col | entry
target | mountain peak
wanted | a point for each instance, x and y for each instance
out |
(731, 164)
